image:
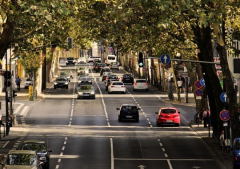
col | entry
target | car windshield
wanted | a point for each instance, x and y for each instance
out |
(114, 63)
(238, 145)
(34, 146)
(111, 58)
(168, 111)
(63, 73)
(112, 77)
(86, 87)
(28, 80)
(61, 79)
(101, 65)
(117, 83)
(21, 159)
(129, 109)
(127, 76)
(141, 81)
(84, 77)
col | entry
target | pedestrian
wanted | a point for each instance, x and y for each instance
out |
(183, 83)
(179, 84)
(18, 82)
(189, 85)
(204, 115)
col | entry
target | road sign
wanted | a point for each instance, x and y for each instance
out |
(202, 82)
(198, 92)
(224, 115)
(165, 59)
(197, 84)
(224, 97)
(140, 64)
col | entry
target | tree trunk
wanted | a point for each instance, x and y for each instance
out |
(49, 65)
(213, 87)
(44, 69)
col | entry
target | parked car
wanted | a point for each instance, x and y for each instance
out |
(22, 159)
(61, 82)
(140, 84)
(41, 149)
(236, 153)
(97, 67)
(91, 58)
(86, 91)
(105, 74)
(116, 86)
(70, 61)
(109, 79)
(104, 69)
(128, 112)
(84, 80)
(114, 65)
(168, 116)
(127, 78)
(28, 83)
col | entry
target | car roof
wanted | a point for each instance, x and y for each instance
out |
(35, 141)
(128, 105)
(140, 79)
(22, 152)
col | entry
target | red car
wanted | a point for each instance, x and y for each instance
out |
(168, 116)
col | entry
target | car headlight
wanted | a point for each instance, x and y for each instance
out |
(66, 61)
(80, 93)
(92, 92)
(55, 83)
(79, 81)
(89, 81)
(66, 83)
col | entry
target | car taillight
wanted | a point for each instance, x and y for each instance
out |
(161, 115)
(117, 79)
(122, 86)
(146, 83)
(176, 116)
(235, 157)
(106, 79)
(112, 86)
(135, 84)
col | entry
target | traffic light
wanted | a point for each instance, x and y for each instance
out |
(7, 78)
(140, 59)
(14, 93)
(70, 42)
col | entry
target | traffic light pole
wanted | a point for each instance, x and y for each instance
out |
(6, 99)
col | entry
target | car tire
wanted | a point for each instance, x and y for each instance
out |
(109, 92)
(66, 87)
(55, 87)
(119, 119)
(106, 88)
(146, 90)
(124, 92)
(47, 166)
(93, 97)
(157, 124)
(134, 90)
(137, 120)
(178, 125)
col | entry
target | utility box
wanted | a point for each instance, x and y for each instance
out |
(30, 93)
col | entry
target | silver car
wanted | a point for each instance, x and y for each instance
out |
(84, 80)
(114, 65)
(140, 84)
(87, 91)
(28, 83)
(22, 159)
(66, 75)
(61, 82)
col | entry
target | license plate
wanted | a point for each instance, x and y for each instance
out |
(169, 121)
(127, 79)
(86, 94)
(128, 116)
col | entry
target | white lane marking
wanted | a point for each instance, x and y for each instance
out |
(65, 142)
(18, 108)
(151, 126)
(160, 144)
(104, 106)
(57, 166)
(59, 160)
(24, 111)
(163, 149)
(71, 113)
(61, 154)
(112, 154)
(147, 119)
(162, 159)
(159, 140)
(169, 164)
(63, 148)
(149, 123)
(66, 138)
(165, 155)
(71, 118)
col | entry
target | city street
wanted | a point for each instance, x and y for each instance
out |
(86, 133)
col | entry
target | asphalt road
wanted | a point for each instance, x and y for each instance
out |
(85, 133)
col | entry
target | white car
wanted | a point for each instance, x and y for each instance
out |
(114, 65)
(28, 83)
(116, 86)
(81, 60)
(91, 58)
(140, 84)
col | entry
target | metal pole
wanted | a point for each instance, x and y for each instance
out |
(239, 92)
(186, 89)
(6, 98)
(11, 95)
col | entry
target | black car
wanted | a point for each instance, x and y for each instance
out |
(128, 112)
(108, 80)
(104, 69)
(70, 61)
(127, 78)
(41, 149)
(61, 82)
(97, 67)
